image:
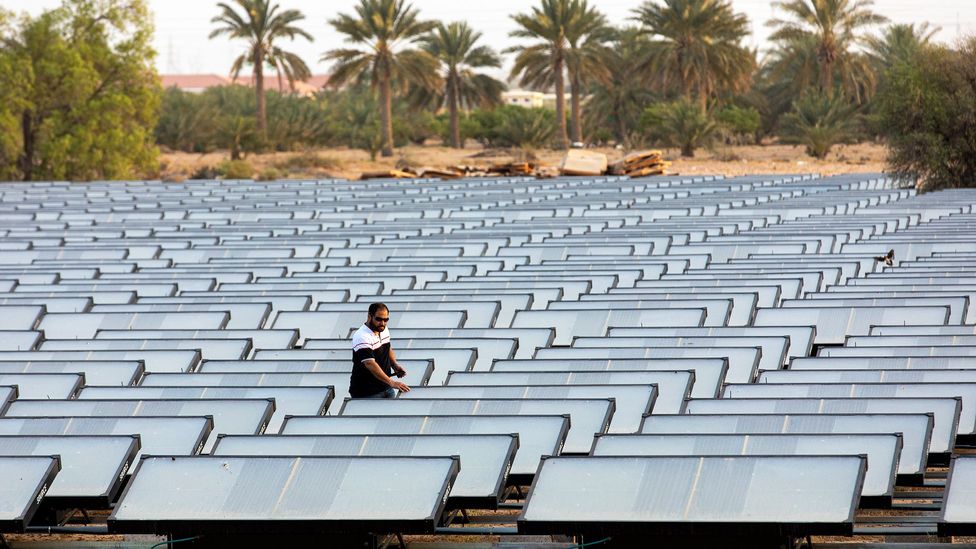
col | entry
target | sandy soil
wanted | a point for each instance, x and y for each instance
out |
(346, 163)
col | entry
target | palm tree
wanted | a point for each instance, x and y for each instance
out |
(832, 27)
(261, 25)
(899, 43)
(697, 47)
(454, 46)
(617, 103)
(385, 30)
(587, 59)
(542, 65)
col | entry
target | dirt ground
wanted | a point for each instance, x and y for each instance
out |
(349, 164)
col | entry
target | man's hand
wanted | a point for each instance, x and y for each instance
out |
(400, 386)
(399, 371)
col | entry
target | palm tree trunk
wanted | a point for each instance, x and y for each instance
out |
(452, 105)
(828, 78)
(259, 92)
(562, 140)
(27, 158)
(386, 114)
(575, 118)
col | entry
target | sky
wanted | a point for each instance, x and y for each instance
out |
(182, 26)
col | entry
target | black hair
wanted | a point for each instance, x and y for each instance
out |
(376, 307)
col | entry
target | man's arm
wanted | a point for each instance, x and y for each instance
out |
(378, 373)
(398, 370)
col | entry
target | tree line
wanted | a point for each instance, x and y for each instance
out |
(79, 97)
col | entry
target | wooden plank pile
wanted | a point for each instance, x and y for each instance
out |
(576, 162)
(641, 164)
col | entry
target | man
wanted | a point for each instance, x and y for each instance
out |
(373, 360)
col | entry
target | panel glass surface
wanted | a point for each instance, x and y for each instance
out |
(570, 324)
(91, 466)
(745, 489)
(320, 489)
(538, 435)
(743, 363)
(881, 450)
(306, 401)
(915, 428)
(158, 435)
(485, 459)
(587, 416)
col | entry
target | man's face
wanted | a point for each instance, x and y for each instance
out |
(378, 322)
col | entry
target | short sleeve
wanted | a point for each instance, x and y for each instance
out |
(364, 352)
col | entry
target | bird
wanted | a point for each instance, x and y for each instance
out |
(889, 258)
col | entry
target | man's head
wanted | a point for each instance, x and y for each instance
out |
(378, 317)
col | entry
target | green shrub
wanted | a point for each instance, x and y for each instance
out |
(741, 123)
(819, 122)
(513, 126)
(236, 169)
(927, 115)
(308, 160)
(205, 172)
(270, 174)
(680, 124)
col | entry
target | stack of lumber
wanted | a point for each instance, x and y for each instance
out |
(512, 168)
(580, 162)
(387, 174)
(641, 164)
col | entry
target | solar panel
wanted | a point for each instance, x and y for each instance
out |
(835, 323)
(92, 467)
(489, 349)
(418, 371)
(681, 496)
(709, 374)
(587, 416)
(285, 495)
(243, 316)
(260, 339)
(7, 394)
(156, 361)
(84, 325)
(742, 362)
(916, 429)
(485, 459)
(799, 338)
(23, 483)
(478, 314)
(230, 416)
(314, 400)
(958, 512)
(673, 387)
(944, 411)
(717, 311)
(899, 352)
(18, 340)
(880, 363)
(772, 354)
(20, 317)
(529, 339)
(965, 391)
(632, 401)
(158, 435)
(539, 435)
(211, 349)
(40, 386)
(325, 325)
(594, 322)
(882, 451)
(444, 359)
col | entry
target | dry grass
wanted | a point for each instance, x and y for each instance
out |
(349, 163)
